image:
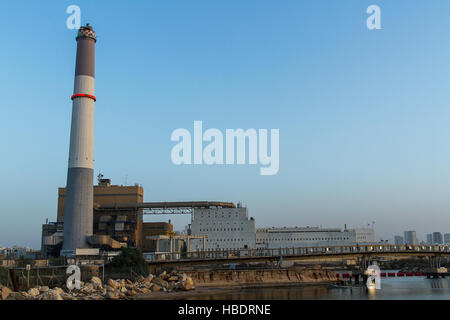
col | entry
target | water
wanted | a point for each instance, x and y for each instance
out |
(409, 288)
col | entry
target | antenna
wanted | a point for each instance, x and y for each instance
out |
(99, 177)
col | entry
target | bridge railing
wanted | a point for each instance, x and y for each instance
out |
(295, 251)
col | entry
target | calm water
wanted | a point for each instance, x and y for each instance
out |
(391, 288)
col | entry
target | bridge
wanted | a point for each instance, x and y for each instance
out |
(364, 254)
(183, 207)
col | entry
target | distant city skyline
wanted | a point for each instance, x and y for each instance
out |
(362, 114)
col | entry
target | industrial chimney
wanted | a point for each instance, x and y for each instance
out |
(78, 214)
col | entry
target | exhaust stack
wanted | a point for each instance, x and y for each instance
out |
(78, 214)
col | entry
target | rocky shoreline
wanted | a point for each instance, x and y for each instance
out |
(120, 289)
(176, 285)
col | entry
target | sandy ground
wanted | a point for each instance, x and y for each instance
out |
(208, 291)
(181, 295)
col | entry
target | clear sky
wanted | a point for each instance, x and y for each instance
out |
(363, 115)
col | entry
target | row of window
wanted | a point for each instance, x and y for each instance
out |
(219, 248)
(224, 240)
(207, 224)
(223, 229)
(215, 216)
(307, 239)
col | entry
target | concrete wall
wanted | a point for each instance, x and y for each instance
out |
(261, 277)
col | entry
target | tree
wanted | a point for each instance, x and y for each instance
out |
(129, 259)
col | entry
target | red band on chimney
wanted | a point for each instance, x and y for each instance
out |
(83, 95)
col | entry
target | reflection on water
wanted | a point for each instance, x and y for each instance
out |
(391, 288)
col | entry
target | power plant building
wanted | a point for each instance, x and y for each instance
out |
(116, 223)
(230, 228)
(224, 228)
(122, 225)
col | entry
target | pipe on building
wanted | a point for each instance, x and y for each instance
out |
(167, 205)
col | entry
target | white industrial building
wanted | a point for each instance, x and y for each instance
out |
(302, 237)
(225, 228)
(231, 228)
(364, 235)
(311, 237)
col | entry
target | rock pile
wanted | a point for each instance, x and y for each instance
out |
(112, 289)
(4, 292)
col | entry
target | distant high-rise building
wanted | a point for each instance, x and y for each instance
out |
(429, 238)
(447, 238)
(399, 240)
(410, 237)
(437, 238)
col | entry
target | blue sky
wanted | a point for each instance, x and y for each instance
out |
(363, 115)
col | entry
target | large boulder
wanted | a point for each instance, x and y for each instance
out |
(173, 278)
(164, 275)
(16, 296)
(43, 289)
(156, 288)
(57, 290)
(159, 281)
(172, 286)
(188, 284)
(34, 292)
(88, 289)
(113, 284)
(96, 282)
(4, 292)
(131, 293)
